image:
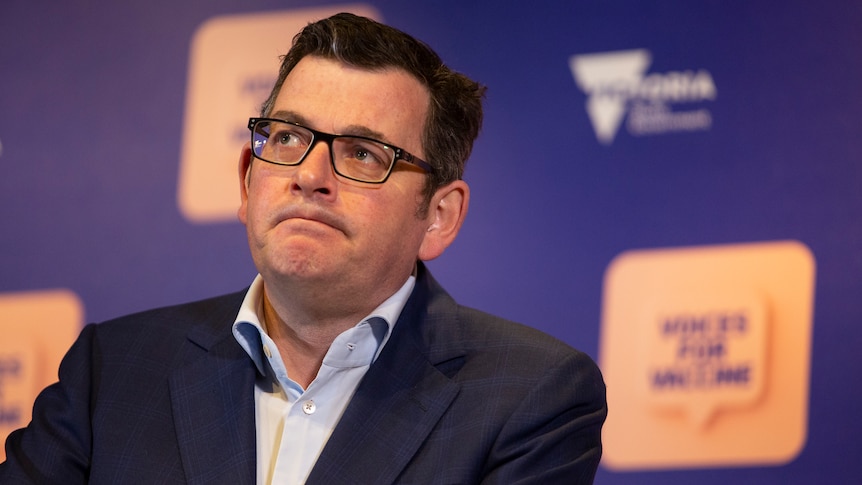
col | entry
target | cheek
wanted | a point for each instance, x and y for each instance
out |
(379, 220)
(256, 209)
(405, 229)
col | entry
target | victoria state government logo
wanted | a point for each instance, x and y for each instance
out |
(618, 87)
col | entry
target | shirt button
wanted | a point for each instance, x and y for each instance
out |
(351, 346)
(267, 352)
(308, 407)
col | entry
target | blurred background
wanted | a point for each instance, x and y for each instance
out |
(610, 126)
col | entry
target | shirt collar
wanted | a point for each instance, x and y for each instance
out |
(249, 331)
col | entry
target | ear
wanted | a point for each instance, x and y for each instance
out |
(244, 168)
(446, 214)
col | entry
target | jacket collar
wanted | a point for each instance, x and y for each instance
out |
(401, 398)
(403, 395)
(212, 398)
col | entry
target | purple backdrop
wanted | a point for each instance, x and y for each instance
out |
(91, 108)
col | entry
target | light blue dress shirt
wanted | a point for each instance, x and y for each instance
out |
(293, 424)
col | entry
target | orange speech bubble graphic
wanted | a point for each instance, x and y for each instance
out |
(706, 352)
(17, 381)
(706, 355)
(36, 330)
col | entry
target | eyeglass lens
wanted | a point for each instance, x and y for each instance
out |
(353, 157)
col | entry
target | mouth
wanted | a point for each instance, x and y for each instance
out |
(311, 214)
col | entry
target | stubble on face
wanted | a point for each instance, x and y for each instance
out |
(318, 236)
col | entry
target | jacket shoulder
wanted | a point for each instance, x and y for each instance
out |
(179, 317)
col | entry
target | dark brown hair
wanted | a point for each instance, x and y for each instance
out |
(455, 111)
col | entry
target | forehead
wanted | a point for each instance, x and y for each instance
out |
(334, 97)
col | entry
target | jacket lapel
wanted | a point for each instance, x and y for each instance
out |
(212, 399)
(403, 395)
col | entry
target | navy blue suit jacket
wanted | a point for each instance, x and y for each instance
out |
(456, 396)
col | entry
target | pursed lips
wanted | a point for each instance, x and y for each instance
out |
(313, 214)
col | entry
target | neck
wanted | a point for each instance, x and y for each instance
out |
(302, 339)
(304, 320)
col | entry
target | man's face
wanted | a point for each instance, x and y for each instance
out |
(306, 225)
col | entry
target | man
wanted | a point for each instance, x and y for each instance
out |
(344, 362)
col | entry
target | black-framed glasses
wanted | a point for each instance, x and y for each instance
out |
(353, 157)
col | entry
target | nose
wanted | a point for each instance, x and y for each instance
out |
(314, 177)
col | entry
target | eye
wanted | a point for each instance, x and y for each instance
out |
(367, 153)
(287, 138)
(363, 155)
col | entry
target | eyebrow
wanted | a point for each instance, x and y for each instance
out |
(353, 130)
